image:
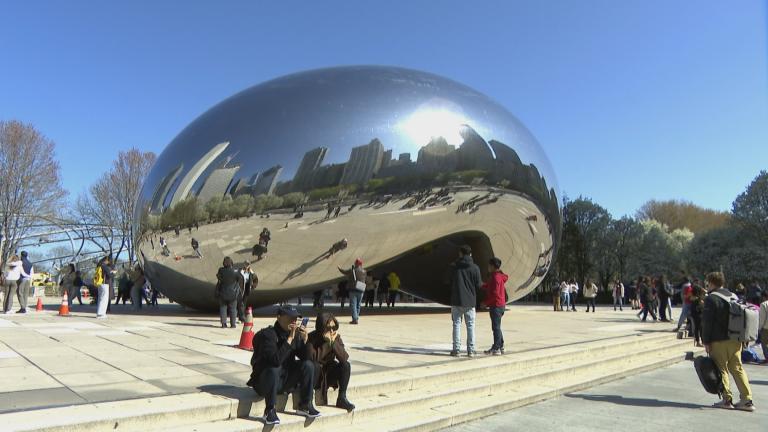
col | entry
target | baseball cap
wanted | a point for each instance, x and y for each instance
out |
(291, 311)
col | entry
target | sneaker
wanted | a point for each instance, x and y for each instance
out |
(471, 354)
(10, 312)
(454, 353)
(745, 406)
(21, 311)
(308, 411)
(270, 417)
(501, 350)
(491, 352)
(724, 404)
(232, 326)
(344, 404)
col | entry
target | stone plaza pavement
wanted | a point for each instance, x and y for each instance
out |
(667, 399)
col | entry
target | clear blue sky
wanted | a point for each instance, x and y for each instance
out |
(631, 100)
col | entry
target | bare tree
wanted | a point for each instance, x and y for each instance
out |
(110, 203)
(30, 183)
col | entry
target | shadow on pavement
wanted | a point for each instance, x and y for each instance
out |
(414, 350)
(758, 382)
(621, 400)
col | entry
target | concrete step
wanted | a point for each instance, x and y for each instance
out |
(146, 414)
(376, 395)
(436, 408)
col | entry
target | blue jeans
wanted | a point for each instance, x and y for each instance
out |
(468, 314)
(355, 299)
(565, 300)
(498, 336)
(684, 315)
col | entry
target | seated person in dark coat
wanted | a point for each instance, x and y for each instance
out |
(276, 368)
(332, 369)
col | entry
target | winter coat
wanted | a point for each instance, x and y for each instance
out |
(325, 354)
(355, 274)
(271, 349)
(590, 291)
(714, 322)
(618, 291)
(465, 282)
(495, 293)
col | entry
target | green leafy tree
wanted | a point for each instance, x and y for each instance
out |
(750, 209)
(584, 225)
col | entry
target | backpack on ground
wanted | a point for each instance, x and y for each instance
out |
(709, 374)
(743, 320)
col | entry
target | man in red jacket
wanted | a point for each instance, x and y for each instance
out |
(495, 299)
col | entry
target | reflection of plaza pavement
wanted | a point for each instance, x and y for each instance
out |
(517, 231)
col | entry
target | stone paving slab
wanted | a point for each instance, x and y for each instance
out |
(171, 350)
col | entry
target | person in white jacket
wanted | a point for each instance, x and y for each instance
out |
(12, 276)
(590, 293)
(574, 288)
(618, 295)
(763, 326)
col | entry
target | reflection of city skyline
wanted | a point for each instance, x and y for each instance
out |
(492, 161)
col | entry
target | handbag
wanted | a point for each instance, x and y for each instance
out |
(359, 285)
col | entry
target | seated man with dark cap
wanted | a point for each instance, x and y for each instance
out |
(276, 368)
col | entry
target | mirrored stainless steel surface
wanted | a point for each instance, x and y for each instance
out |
(393, 166)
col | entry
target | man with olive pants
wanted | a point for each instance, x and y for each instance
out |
(276, 368)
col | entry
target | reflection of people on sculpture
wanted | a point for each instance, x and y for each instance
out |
(265, 237)
(276, 369)
(332, 368)
(164, 246)
(259, 250)
(196, 247)
(336, 247)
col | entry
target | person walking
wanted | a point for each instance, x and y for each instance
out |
(394, 289)
(11, 283)
(763, 325)
(565, 296)
(725, 352)
(102, 278)
(590, 293)
(137, 287)
(556, 297)
(227, 288)
(67, 283)
(573, 293)
(332, 369)
(77, 286)
(196, 247)
(646, 299)
(618, 295)
(280, 365)
(383, 289)
(370, 289)
(687, 292)
(697, 309)
(663, 296)
(25, 282)
(356, 287)
(465, 282)
(495, 300)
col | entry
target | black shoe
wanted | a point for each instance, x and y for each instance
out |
(22, 311)
(223, 326)
(232, 326)
(344, 404)
(308, 411)
(270, 417)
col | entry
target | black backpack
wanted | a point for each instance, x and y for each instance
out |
(709, 374)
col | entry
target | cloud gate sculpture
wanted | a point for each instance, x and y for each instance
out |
(394, 166)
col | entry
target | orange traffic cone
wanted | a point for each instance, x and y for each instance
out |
(64, 308)
(246, 337)
(39, 306)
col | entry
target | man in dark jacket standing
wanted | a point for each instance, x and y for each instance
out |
(725, 352)
(465, 282)
(276, 368)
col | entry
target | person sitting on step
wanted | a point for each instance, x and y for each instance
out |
(332, 369)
